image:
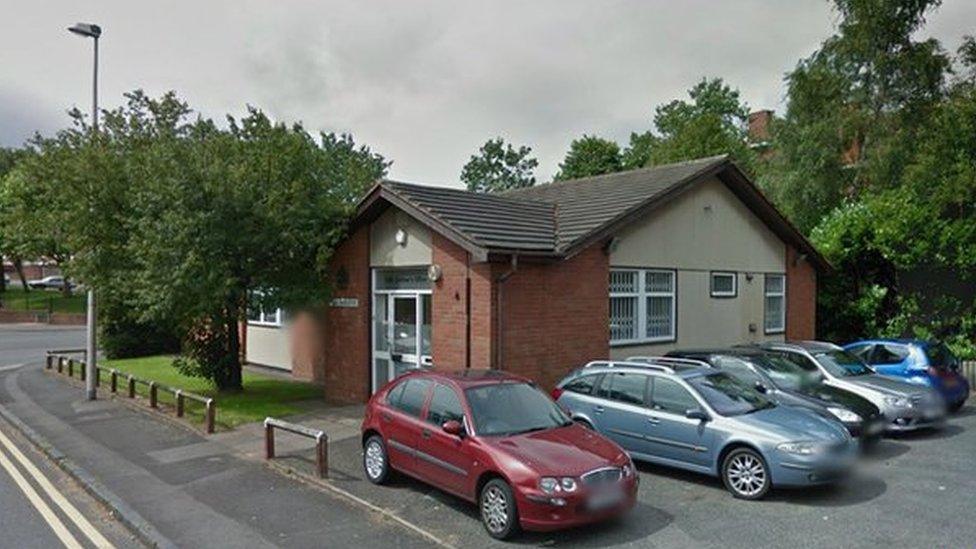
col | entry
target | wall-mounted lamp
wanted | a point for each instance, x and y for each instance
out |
(434, 272)
(401, 237)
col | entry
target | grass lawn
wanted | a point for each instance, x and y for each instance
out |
(16, 299)
(262, 396)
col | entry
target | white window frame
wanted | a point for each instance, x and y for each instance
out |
(642, 294)
(275, 319)
(781, 328)
(735, 284)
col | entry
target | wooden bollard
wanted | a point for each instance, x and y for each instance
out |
(48, 364)
(71, 367)
(211, 416)
(114, 380)
(322, 455)
(152, 394)
(82, 370)
(132, 387)
(268, 441)
(179, 403)
(60, 364)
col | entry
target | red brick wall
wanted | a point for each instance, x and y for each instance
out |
(449, 303)
(555, 316)
(801, 297)
(345, 354)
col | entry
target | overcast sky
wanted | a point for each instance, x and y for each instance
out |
(423, 83)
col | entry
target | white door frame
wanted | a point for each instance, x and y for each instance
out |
(389, 297)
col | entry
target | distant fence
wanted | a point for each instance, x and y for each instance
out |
(969, 371)
(65, 362)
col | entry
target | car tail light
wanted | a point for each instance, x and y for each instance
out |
(556, 393)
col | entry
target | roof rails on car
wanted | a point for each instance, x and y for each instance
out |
(629, 364)
(670, 360)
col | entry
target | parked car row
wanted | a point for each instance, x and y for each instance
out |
(757, 416)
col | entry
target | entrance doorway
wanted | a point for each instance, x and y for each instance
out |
(401, 323)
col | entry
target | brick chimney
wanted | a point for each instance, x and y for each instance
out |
(759, 122)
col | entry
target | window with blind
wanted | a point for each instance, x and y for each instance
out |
(774, 306)
(642, 305)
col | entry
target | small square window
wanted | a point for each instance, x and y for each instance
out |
(724, 284)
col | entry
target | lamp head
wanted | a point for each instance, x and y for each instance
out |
(86, 29)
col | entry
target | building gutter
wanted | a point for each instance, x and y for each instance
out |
(499, 323)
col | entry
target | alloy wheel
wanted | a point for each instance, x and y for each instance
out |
(494, 509)
(374, 460)
(746, 474)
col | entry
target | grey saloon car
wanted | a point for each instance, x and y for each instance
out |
(906, 406)
(683, 414)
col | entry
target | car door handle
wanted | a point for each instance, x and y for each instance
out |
(426, 433)
(598, 410)
(385, 416)
(653, 420)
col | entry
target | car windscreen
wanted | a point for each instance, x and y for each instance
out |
(727, 395)
(511, 408)
(789, 374)
(842, 364)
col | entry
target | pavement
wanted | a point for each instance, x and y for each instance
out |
(193, 491)
(912, 491)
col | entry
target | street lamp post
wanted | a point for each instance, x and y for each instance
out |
(91, 352)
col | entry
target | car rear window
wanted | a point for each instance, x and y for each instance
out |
(939, 355)
(410, 399)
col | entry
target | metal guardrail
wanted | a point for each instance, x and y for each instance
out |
(321, 442)
(62, 361)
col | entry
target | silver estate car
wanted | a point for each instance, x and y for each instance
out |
(678, 413)
(907, 407)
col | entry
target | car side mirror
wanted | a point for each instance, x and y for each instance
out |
(696, 413)
(453, 427)
(761, 387)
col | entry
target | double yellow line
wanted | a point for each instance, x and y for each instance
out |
(69, 510)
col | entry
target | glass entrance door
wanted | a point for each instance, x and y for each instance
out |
(401, 331)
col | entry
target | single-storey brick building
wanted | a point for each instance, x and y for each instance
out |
(540, 280)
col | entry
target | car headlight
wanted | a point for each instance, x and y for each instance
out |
(799, 448)
(844, 415)
(897, 402)
(552, 485)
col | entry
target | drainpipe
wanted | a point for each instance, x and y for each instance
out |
(499, 323)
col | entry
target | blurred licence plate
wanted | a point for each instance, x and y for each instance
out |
(605, 499)
(951, 382)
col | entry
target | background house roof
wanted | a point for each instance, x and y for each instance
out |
(558, 219)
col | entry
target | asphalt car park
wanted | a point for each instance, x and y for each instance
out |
(913, 490)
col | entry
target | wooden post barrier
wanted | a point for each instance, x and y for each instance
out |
(132, 386)
(152, 395)
(114, 380)
(71, 367)
(82, 370)
(321, 442)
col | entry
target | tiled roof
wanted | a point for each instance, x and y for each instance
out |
(557, 218)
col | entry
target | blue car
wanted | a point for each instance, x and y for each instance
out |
(681, 413)
(922, 362)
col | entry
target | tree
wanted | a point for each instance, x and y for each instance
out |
(638, 152)
(8, 159)
(855, 108)
(499, 167)
(713, 122)
(588, 156)
(194, 220)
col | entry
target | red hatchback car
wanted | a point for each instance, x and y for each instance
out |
(497, 440)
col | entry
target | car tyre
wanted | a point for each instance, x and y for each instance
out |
(956, 406)
(499, 515)
(746, 474)
(376, 464)
(585, 424)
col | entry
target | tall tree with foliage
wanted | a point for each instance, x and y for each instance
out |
(194, 219)
(712, 121)
(499, 167)
(8, 159)
(590, 155)
(855, 108)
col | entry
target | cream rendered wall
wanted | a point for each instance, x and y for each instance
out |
(269, 346)
(384, 250)
(706, 229)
